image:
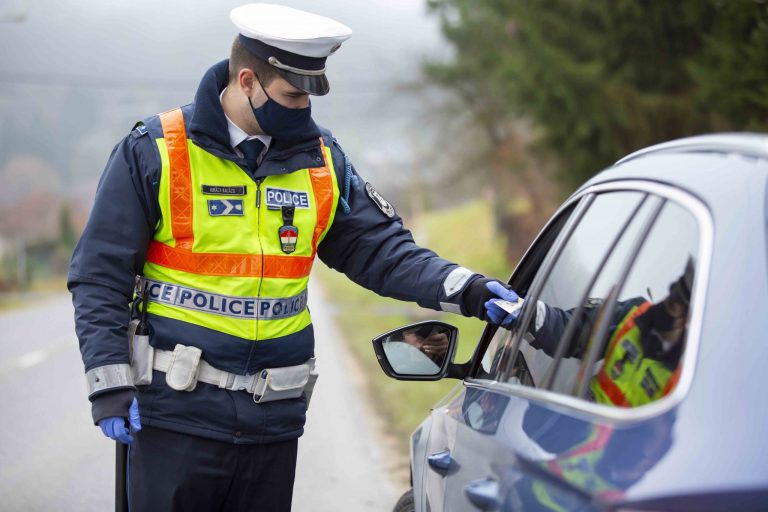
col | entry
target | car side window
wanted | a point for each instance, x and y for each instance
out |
(637, 359)
(611, 319)
(565, 285)
(523, 276)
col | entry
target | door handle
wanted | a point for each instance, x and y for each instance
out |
(440, 461)
(483, 493)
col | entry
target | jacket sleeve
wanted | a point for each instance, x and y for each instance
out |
(109, 254)
(369, 244)
(550, 324)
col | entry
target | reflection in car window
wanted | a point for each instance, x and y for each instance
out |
(619, 344)
(492, 354)
(494, 350)
(607, 278)
(640, 359)
(567, 282)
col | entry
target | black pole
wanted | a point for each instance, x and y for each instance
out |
(121, 465)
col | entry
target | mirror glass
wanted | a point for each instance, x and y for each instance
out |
(417, 350)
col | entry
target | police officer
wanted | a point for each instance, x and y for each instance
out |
(220, 207)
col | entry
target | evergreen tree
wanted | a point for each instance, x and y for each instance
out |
(601, 78)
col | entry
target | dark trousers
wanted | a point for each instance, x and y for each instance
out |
(169, 471)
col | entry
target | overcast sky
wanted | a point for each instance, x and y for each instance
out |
(133, 59)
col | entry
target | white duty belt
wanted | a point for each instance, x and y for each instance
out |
(184, 367)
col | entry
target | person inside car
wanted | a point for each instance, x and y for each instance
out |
(421, 351)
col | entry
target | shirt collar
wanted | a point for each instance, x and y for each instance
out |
(238, 135)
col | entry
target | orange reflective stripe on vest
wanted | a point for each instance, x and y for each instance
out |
(183, 258)
(627, 326)
(322, 188)
(609, 387)
(181, 177)
(224, 264)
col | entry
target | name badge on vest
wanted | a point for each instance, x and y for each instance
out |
(288, 233)
(224, 190)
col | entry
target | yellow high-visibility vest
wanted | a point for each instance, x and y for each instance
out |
(577, 466)
(220, 257)
(628, 378)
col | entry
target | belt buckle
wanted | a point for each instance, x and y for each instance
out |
(242, 382)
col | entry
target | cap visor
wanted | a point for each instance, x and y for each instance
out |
(317, 85)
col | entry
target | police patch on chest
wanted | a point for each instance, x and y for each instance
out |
(382, 204)
(279, 197)
(225, 207)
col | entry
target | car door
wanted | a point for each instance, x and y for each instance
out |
(438, 463)
(528, 434)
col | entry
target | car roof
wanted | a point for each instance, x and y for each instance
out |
(691, 160)
(746, 144)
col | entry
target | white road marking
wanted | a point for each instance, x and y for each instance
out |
(36, 357)
(31, 359)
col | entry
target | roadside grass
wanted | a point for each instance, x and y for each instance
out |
(464, 235)
(39, 290)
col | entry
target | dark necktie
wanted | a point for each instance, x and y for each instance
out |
(251, 150)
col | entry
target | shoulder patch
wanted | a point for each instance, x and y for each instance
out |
(381, 203)
(140, 129)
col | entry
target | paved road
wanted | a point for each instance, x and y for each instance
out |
(51, 458)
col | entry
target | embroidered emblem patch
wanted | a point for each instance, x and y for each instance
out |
(288, 233)
(223, 190)
(279, 197)
(288, 237)
(383, 205)
(225, 207)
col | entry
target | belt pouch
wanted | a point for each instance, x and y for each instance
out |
(185, 366)
(142, 356)
(281, 383)
(310, 387)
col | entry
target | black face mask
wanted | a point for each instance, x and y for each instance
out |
(658, 318)
(281, 122)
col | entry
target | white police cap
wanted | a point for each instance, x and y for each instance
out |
(295, 42)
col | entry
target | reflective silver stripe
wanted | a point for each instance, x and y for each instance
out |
(451, 308)
(541, 315)
(225, 305)
(108, 377)
(456, 280)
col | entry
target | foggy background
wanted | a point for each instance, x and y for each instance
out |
(475, 118)
(75, 76)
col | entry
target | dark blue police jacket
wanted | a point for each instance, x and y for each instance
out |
(372, 249)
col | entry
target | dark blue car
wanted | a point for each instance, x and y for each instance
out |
(633, 377)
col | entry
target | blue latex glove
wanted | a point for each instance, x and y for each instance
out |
(495, 313)
(114, 426)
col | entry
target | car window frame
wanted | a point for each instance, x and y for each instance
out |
(550, 260)
(571, 328)
(534, 257)
(701, 213)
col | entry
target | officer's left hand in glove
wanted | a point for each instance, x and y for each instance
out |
(496, 313)
(482, 301)
(115, 427)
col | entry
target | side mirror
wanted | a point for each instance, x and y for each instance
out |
(420, 351)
